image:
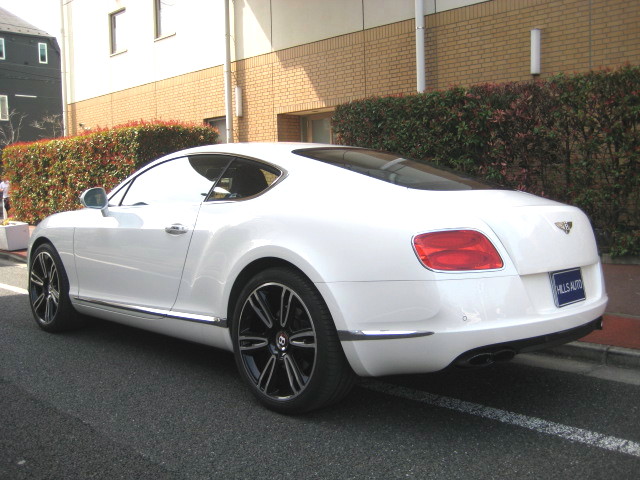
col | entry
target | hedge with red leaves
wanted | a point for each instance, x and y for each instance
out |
(48, 176)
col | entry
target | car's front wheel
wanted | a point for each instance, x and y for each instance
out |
(285, 343)
(48, 291)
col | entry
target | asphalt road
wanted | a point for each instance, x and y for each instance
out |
(111, 402)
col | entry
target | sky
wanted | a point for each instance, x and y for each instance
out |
(44, 14)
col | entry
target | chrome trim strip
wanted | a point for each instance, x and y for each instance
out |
(192, 317)
(187, 317)
(355, 335)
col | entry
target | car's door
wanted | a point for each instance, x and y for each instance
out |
(229, 222)
(134, 256)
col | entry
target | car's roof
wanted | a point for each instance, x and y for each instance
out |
(278, 153)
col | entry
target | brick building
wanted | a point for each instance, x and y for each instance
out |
(293, 61)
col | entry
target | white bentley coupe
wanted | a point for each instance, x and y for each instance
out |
(317, 263)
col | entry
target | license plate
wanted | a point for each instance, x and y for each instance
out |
(567, 286)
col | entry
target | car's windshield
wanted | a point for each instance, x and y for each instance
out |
(393, 169)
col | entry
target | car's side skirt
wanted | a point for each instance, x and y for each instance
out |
(154, 312)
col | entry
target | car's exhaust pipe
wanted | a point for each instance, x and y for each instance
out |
(479, 360)
(482, 359)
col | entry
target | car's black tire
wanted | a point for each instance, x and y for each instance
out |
(49, 292)
(286, 345)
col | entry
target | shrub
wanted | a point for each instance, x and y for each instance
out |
(48, 176)
(571, 138)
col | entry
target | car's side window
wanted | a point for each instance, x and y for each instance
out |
(242, 179)
(116, 197)
(211, 166)
(182, 180)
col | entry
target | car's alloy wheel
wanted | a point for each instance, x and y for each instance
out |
(48, 291)
(285, 343)
(277, 341)
(44, 290)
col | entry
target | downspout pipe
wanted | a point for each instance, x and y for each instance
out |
(63, 72)
(227, 73)
(420, 65)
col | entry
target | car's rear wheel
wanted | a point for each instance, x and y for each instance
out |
(285, 343)
(48, 291)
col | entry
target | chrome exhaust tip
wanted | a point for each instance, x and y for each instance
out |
(480, 360)
(483, 359)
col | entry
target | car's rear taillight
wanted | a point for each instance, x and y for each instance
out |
(457, 250)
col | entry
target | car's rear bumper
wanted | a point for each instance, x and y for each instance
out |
(488, 354)
(391, 328)
(437, 351)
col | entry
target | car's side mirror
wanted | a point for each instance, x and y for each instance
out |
(96, 198)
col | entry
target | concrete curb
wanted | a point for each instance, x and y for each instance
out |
(596, 353)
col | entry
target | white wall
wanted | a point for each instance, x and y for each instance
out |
(259, 27)
(197, 44)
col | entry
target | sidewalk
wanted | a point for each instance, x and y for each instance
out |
(617, 344)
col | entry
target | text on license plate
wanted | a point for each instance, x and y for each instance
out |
(567, 286)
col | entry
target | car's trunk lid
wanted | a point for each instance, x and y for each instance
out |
(539, 235)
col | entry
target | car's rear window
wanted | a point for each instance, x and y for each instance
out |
(394, 169)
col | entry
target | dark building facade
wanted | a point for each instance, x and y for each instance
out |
(30, 82)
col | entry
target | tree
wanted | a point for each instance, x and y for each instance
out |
(51, 126)
(10, 130)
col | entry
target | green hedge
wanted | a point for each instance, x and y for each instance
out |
(571, 138)
(48, 176)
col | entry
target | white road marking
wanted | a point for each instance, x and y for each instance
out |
(539, 425)
(13, 289)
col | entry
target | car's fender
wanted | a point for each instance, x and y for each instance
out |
(58, 230)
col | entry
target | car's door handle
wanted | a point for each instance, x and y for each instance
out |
(176, 229)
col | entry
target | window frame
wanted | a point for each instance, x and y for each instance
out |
(4, 112)
(113, 31)
(118, 195)
(41, 51)
(277, 172)
(157, 18)
(2, 49)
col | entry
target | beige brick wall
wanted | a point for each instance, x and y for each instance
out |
(486, 42)
(489, 42)
(289, 129)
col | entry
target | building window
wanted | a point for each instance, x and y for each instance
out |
(165, 17)
(317, 128)
(42, 52)
(221, 124)
(4, 108)
(117, 31)
(1, 48)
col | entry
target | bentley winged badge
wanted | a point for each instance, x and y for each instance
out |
(565, 226)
